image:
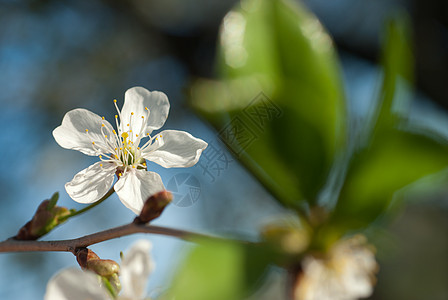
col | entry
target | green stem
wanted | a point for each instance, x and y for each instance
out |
(78, 212)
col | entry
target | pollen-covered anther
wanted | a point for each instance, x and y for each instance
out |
(102, 125)
(101, 165)
(133, 166)
(93, 143)
(102, 118)
(132, 113)
(115, 100)
(87, 130)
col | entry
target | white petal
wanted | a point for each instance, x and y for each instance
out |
(74, 284)
(72, 132)
(135, 101)
(175, 149)
(92, 183)
(136, 266)
(136, 186)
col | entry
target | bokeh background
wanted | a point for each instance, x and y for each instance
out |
(60, 55)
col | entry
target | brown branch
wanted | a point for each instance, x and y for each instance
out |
(12, 245)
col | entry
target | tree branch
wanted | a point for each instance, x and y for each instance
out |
(12, 245)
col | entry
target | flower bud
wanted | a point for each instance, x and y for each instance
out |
(103, 267)
(154, 207)
(46, 217)
(286, 238)
(107, 269)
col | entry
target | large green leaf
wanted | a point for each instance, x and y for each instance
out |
(220, 270)
(279, 105)
(396, 155)
(394, 160)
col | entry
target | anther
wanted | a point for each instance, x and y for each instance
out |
(115, 100)
(101, 165)
(87, 130)
(102, 118)
(116, 116)
(102, 125)
(132, 113)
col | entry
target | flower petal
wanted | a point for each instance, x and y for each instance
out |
(136, 266)
(175, 149)
(72, 132)
(74, 284)
(134, 187)
(92, 183)
(135, 101)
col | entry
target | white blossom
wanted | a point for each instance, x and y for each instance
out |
(74, 284)
(346, 272)
(124, 151)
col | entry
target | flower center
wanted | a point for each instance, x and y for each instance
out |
(122, 148)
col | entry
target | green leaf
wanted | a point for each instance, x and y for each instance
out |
(398, 69)
(394, 160)
(219, 270)
(279, 105)
(53, 200)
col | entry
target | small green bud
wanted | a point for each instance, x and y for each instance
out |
(286, 238)
(46, 217)
(103, 267)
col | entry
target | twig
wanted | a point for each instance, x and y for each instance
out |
(12, 245)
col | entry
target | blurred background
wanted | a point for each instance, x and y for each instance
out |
(60, 55)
